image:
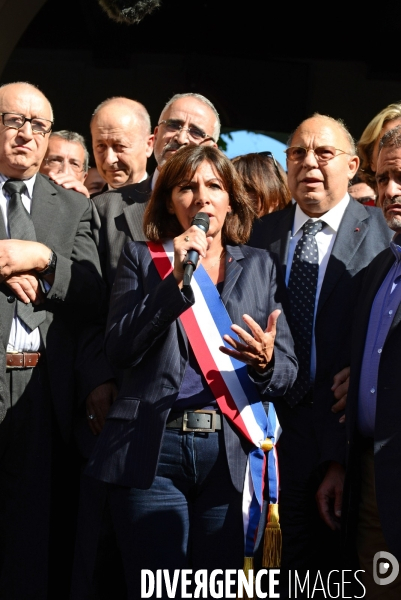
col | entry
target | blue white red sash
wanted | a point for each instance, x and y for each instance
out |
(230, 384)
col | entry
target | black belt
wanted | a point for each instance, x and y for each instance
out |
(206, 421)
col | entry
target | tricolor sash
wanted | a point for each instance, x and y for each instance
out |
(230, 384)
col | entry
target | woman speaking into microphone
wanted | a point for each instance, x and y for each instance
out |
(184, 444)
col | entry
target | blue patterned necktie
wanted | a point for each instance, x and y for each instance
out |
(302, 286)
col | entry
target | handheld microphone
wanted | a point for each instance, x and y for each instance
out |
(190, 263)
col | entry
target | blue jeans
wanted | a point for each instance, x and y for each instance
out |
(189, 518)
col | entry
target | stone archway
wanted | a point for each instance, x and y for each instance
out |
(15, 16)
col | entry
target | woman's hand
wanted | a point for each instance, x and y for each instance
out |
(192, 239)
(255, 350)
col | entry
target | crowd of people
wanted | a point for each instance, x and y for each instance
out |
(175, 340)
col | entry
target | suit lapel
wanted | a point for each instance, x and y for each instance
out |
(135, 198)
(397, 316)
(6, 308)
(134, 216)
(233, 271)
(351, 233)
(44, 208)
(280, 245)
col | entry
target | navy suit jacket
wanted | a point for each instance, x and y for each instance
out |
(362, 234)
(146, 339)
(387, 435)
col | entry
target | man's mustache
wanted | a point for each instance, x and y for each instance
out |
(391, 201)
(173, 145)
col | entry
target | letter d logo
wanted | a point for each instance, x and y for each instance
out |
(385, 564)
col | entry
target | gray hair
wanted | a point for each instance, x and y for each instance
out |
(217, 125)
(137, 108)
(339, 122)
(391, 138)
(73, 136)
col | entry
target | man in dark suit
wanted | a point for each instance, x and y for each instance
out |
(341, 238)
(371, 503)
(50, 284)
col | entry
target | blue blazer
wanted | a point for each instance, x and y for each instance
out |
(146, 339)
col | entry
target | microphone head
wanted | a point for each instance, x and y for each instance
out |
(202, 221)
(128, 11)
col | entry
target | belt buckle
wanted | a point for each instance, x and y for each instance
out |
(211, 429)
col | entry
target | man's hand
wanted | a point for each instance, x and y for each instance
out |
(20, 256)
(26, 287)
(340, 389)
(69, 182)
(98, 405)
(330, 494)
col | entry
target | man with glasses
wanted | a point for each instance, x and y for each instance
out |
(324, 242)
(49, 287)
(186, 119)
(67, 160)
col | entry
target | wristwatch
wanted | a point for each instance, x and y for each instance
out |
(51, 265)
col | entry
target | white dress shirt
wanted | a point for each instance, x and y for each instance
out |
(22, 338)
(325, 240)
(154, 178)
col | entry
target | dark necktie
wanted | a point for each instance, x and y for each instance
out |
(302, 286)
(22, 228)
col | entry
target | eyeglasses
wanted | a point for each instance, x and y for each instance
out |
(57, 163)
(268, 154)
(322, 153)
(16, 121)
(194, 133)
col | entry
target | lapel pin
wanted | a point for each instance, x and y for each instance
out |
(230, 259)
(356, 229)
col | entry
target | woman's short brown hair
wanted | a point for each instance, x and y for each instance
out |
(262, 177)
(159, 224)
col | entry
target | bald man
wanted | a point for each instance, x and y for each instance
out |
(121, 141)
(49, 287)
(324, 241)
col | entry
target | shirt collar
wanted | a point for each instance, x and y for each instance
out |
(332, 218)
(28, 182)
(395, 246)
(154, 178)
